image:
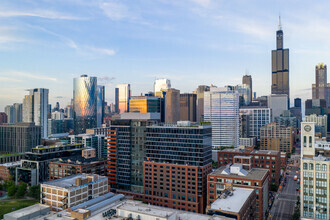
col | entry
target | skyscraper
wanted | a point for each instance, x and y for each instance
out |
(172, 106)
(280, 66)
(161, 85)
(100, 104)
(200, 102)
(247, 80)
(84, 103)
(221, 108)
(320, 88)
(188, 107)
(122, 97)
(35, 109)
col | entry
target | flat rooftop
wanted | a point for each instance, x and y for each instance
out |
(231, 150)
(27, 211)
(70, 181)
(253, 174)
(233, 203)
(162, 212)
(11, 164)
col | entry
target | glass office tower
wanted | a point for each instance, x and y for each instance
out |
(122, 97)
(221, 108)
(84, 103)
(100, 104)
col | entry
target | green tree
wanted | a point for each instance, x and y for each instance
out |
(7, 184)
(12, 190)
(1, 186)
(34, 191)
(21, 190)
(273, 187)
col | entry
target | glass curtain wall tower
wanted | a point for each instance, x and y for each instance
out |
(84, 103)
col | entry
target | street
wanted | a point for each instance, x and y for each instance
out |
(283, 207)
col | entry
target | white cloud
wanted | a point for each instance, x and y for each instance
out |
(38, 13)
(115, 10)
(104, 51)
(32, 76)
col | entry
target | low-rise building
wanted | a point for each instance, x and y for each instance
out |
(235, 202)
(267, 159)
(30, 212)
(60, 168)
(7, 170)
(69, 191)
(7, 158)
(34, 167)
(255, 178)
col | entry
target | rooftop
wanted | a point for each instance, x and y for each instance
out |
(235, 150)
(253, 174)
(232, 203)
(79, 160)
(26, 211)
(70, 181)
(11, 164)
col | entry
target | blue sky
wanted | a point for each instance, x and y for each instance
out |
(46, 43)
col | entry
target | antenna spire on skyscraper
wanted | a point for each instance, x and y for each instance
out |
(279, 23)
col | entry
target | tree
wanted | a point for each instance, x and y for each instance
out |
(12, 190)
(34, 191)
(21, 190)
(7, 184)
(273, 187)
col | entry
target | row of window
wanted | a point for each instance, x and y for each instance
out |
(318, 167)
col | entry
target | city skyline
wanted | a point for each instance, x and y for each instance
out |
(48, 44)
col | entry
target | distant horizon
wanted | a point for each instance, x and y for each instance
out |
(192, 42)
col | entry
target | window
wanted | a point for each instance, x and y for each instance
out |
(305, 140)
(311, 166)
(305, 166)
(310, 141)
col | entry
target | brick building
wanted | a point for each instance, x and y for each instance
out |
(7, 170)
(67, 192)
(267, 159)
(60, 168)
(235, 202)
(255, 178)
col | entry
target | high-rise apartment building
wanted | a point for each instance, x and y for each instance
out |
(200, 102)
(144, 104)
(280, 66)
(175, 171)
(320, 88)
(100, 105)
(188, 107)
(221, 108)
(122, 97)
(277, 103)
(14, 113)
(247, 80)
(244, 94)
(276, 137)
(172, 106)
(35, 109)
(19, 138)
(314, 175)
(161, 85)
(252, 118)
(97, 142)
(84, 103)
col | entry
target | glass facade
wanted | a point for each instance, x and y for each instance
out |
(122, 97)
(100, 104)
(84, 103)
(179, 145)
(221, 108)
(144, 104)
(256, 118)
